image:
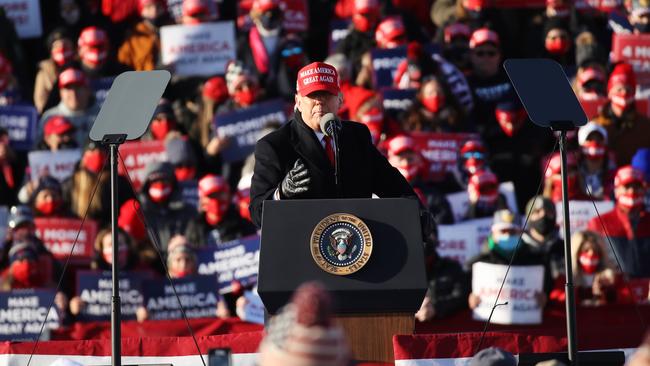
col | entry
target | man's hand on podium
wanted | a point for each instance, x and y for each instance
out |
(296, 181)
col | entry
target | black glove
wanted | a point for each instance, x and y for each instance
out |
(296, 181)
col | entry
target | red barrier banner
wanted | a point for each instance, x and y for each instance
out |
(634, 49)
(137, 155)
(58, 235)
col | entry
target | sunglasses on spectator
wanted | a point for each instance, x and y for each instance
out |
(485, 53)
(287, 52)
(473, 154)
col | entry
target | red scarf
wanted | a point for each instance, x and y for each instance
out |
(260, 56)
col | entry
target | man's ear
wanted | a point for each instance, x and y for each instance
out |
(296, 106)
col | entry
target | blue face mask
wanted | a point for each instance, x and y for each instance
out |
(508, 243)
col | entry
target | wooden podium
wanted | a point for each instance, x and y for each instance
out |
(372, 304)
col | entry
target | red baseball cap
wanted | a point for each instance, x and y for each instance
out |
(91, 37)
(457, 30)
(401, 143)
(482, 36)
(589, 75)
(389, 31)
(195, 7)
(212, 183)
(57, 125)
(318, 76)
(72, 76)
(265, 5)
(366, 6)
(628, 174)
(622, 74)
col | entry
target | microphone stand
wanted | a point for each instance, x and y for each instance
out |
(337, 162)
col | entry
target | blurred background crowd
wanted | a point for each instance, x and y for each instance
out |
(452, 63)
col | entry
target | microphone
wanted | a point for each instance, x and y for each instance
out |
(329, 124)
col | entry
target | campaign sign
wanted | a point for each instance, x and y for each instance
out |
(455, 79)
(243, 127)
(635, 50)
(237, 260)
(296, 17)
(95, 289)
(254, 308)
(384, 64)
(57, 164)
(440, 150)
(138, 155)
(58, 234)
(592, 107)
(519, 291)
(396, 101)
(26, 16)
(200, 49)
(20, 122)
(580, 212)
(459, 201)
(22, 312)
(190, 192)
(463, 241)
(197, 294)
(339, 29)
(101, 87)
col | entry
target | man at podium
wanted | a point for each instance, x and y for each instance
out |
(297, 161)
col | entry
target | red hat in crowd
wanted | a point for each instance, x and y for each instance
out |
(72, 76)
(366, 6)
(590, 74)
(555, 165)
(92, 37)
(192, 8)
(216, 89)
(475, 5)
(471, 146)
(130, 222)
(211, 184)
(57, 125)
(262, 6)
(318, 76)
(390, 33)
(622, 74)
(628, 174)
(482, 36)
(143, 3)
(401, 143)
(484, 183)
(457, 30)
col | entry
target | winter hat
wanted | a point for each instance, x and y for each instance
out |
(236, 73)
(482, 36)
(179, 152)
(215, 89)
(493, 356)
(303, 333)
(538, 202)
(129, 221)
(389, 32)
(641, 162)
(22, 250)
(19, 215)
(57, 125)
(504, 219)
(622, 74)
(159, 170)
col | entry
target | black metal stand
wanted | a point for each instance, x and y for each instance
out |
(114, 141)
(337, 165)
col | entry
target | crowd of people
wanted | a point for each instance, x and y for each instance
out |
(461, 89)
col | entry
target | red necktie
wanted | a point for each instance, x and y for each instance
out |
(329, 149)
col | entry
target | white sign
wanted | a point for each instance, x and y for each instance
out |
(580, 212)
(26, 16)
(254, 308)
(520, 292)
(463, 241)
(459, 201)
(201, 49)
(57, 164)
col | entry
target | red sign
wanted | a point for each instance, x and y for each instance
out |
(440, 150)
(591, 107)
(296, 18)
(635, 50)
(58, 234)
(138, 155)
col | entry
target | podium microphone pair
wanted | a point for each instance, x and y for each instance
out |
(330, 126)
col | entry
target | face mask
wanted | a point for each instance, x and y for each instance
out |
(361, 23)
(589, 262)
(180, 274)
(642, 27)
(93, 161)
(557, 46)
(160, 191)
(622, 101)
(630, 201)
(47, 208)
(544, 226)
(472, 165)
(215, 211)
(433, 103)
(184, 173)
(122, 255)
(62, 55)
(507, 243)
(245, 97)
(590, 95)
(70, 17)
(25, 274)
(94, 57)
(510, 122)
(593, 150)
(161, 127)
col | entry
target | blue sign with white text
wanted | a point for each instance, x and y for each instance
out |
(22, 312)
(237, 260)
(20, 123)
(197, 294)
(95, 288)
(396, 101)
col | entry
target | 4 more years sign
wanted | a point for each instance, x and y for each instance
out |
(65, 237)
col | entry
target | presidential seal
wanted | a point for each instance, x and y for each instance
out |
(341, 244)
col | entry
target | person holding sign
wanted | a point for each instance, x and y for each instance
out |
(141, 47)
(297, 160)
(542, 233)
(502, 243)
(58, 134)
